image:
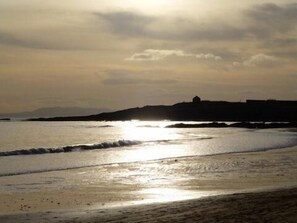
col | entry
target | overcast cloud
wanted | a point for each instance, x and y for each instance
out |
(72, 49)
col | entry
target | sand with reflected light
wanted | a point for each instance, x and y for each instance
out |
(160, 195)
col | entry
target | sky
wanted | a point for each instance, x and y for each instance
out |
(119, 54)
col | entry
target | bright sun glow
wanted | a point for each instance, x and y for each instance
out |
(148, 131)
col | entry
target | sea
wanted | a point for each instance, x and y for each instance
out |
(35, 147)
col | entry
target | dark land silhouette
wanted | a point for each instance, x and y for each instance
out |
(54, 112)
(4, 119)
(198, 110)
(249, 125)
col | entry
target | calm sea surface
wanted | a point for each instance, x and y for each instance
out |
(29, 147)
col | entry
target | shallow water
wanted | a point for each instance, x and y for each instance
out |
(97, 143)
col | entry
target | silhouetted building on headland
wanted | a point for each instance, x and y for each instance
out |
(196, 99)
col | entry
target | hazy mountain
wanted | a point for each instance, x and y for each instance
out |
(55, 112)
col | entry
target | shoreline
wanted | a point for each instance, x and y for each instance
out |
(154, 183)
(287, 148)
(276, 206)
(282, 148)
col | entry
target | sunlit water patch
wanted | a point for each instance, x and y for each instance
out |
(46, 146)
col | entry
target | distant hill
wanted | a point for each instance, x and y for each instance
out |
(55, 112)
(197, 110)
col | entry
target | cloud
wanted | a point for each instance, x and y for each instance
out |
(258, 60)
(134, 25)
(58, 42)
(261, 20)
(128, 77)
(270, 18)
(51, 29)
(281, 43)
(126, 23)
(9, 39)
(136, 81)
(208, 56)
(292, 75)
(156, 55)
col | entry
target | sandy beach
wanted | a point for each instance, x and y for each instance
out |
(275, 206)
(243, 187)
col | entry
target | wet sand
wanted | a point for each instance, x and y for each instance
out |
(159, 191)
(274, 206)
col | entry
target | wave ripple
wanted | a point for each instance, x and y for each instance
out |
(66, 149)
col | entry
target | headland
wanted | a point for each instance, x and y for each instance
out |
(198, 110)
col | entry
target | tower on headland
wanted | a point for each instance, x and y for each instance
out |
(196, 100)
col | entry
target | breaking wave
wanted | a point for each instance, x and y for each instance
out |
(66, 149)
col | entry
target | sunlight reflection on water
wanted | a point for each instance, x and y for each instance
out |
(148, 131)
(150, 153)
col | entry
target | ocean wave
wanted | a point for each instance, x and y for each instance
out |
(149, 126)
(99, 126)
(66, 149)
(93, 127)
